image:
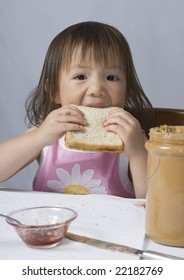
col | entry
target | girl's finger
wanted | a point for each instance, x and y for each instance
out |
(72, 126)
(116, 121)
(121, 119)
(121, 113)
(70, 110)
(71, 119)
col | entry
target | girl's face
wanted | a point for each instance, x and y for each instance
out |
(88, 83)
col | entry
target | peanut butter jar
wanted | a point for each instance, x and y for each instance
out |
(165, 185)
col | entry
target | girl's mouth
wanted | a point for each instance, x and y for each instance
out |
(96, 104)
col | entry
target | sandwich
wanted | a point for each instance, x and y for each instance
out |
(94, 137)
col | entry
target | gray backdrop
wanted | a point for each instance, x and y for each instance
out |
(154, 30)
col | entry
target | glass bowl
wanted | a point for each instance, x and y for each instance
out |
(43, 226)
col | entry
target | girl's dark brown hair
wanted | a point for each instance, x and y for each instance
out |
(102, 40)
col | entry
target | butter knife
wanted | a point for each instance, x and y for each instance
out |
(142, 254)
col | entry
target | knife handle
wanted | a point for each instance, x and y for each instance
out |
(151, 255)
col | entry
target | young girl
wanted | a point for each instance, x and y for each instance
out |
(87, 64)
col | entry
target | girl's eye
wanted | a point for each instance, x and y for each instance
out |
(112, 78)
(80, 77)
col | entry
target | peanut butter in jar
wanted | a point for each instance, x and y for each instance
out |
(165, 185)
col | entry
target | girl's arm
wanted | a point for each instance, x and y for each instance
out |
(17, 153)
(20, 151)
(138, 170)
(128, 128)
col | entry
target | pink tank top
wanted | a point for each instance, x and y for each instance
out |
(78, 172)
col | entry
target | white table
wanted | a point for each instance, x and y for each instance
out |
(108, 218)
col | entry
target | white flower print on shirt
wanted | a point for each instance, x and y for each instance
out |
(76, 183)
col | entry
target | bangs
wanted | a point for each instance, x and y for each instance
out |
(101, 56)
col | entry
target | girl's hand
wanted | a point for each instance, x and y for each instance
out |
(58, 122)
(129, 130)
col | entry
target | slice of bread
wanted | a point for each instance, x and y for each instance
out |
(94, 137)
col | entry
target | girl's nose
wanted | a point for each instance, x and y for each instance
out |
(97, 89)
(96, 93)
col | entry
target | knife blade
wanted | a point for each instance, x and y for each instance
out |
(142, 254)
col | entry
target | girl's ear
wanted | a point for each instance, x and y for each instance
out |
(56, 99)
